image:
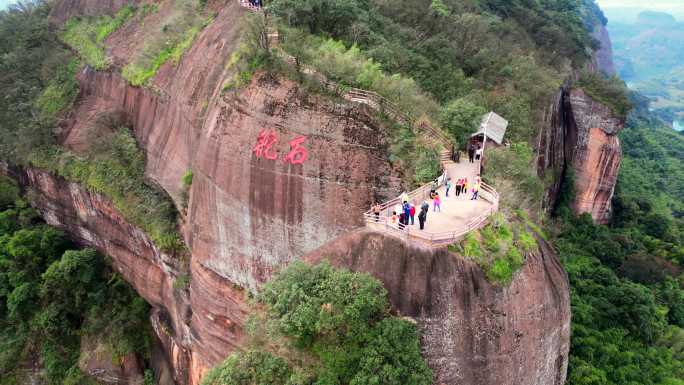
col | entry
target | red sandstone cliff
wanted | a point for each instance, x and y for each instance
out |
(248, 216)
(581, 139)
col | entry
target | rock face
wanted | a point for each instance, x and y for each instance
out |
(257, 203)
(603, 57)
(581, 140)
(472, 332)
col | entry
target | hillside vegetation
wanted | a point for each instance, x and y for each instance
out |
(40, 80)
(626, 278)
(321, 325)
(53, 296)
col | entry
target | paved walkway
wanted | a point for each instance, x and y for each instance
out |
(456, 211)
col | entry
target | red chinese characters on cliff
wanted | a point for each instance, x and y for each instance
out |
(268, 139)
(264, 145)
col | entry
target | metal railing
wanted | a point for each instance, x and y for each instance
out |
(384, 222)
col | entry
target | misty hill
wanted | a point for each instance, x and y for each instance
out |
(649, 53)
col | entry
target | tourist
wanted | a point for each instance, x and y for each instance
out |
(394, 217)
(478, 153)
(459, 184)
(464, 190)
(422, 217)
(412, 213)
(436, 203)
(448, 186)
(407, 212)
(476, 189)
(376, 211)
(401, 221)
(471, 153)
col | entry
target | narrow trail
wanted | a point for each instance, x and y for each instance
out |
(459, 215)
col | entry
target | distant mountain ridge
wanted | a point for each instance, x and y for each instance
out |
(649, 54)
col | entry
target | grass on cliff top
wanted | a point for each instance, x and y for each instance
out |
(611, 92)
(115, 168)
(169, 42)
(350, 67)
(87, 34)
(499, 248)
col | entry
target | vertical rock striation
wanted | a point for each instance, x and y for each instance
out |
(581, 140)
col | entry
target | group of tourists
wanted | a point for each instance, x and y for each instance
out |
(252, 3)
(404, 214)
(474, 153)
(462, 187)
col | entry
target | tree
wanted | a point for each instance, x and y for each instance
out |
(392, 356)
(461, 118)
(335, 17)
(323, 302)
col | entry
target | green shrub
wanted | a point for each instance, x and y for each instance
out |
(9, 192)
(182, 282)
(500, 272)
(312, 302)
(61, 92)
(471, 247)
(526, 240)
(349, 66)
(461, 118)
(250, 368)
(497, 248)
(512, 171)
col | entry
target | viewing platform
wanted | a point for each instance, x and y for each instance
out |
(459, 215)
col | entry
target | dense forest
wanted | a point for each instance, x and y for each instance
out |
(54, 297)
(626, 278)
(450, 60)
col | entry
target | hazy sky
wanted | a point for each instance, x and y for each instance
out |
(664, 5)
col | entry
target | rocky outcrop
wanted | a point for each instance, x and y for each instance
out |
(580, 146)
(472, 331)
